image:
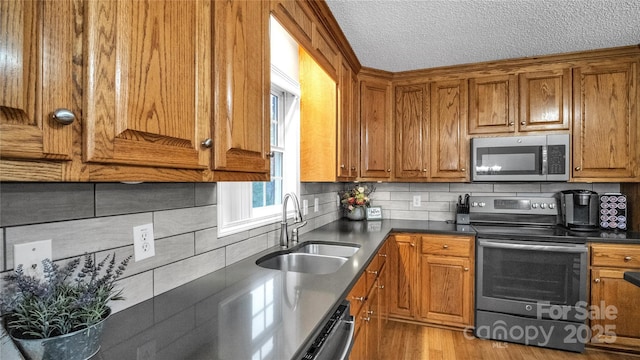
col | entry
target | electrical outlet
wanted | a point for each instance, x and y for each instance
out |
(30, 255)
(143, 242)
(416, 200)
(316, 205)
(305, 207)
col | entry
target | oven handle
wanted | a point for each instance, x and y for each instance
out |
(556, 248)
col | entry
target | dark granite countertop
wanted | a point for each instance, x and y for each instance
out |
(633, 277)
(244, 311)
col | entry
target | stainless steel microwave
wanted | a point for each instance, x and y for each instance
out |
(520, 158)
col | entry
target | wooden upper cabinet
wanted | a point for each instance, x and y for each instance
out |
(605, 129)
(242, 85)
(449, 141)
(295, 19)
(412, 132)
(376, 129)
(493, 104)
(147, 89)
(545, 100)
(36, 78)
(348, 124)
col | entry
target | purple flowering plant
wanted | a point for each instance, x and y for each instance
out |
(67, 299)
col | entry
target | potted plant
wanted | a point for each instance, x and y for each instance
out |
(355, 201)
(62, 315)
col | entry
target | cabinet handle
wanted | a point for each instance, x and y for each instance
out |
(523, 123)
(381, 287)
(359, 298)
(207, 143)
(627, 258)
(383, 255)
(63, 116)
(445, 246)
(511, 123)
(466, 269)
(367, 319)
(374, 272)
(596, 280)
(270, 154)
(370, 312)
(413, 245)
(342, 166)
(578, 168)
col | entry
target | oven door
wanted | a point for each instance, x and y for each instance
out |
(535, 279)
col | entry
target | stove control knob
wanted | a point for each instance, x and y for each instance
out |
(482, 204)
(534, 205)
(552, 206)
(543, 206)
(474, 204)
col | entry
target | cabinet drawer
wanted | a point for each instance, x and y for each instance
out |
(627, 256)
(447, 245)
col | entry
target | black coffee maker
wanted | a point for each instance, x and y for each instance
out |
(579, 209)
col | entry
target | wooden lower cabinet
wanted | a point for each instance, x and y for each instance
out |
(609, 291)
(431, 278)
(368, 309)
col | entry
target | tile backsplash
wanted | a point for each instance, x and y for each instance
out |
(98, 219)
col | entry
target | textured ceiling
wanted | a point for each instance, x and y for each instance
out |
(400, 35)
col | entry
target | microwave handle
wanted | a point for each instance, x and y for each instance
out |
(545, 160)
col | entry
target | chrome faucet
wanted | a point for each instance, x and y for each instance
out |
(284, 233)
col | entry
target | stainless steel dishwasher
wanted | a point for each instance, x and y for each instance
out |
(335, 340)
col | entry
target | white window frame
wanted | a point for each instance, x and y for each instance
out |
(235, 197)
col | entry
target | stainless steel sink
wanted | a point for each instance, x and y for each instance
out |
(329, 249)
(310, 257)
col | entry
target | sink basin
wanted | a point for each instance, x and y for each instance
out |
(310, 257)
(318, 248)
(301, 262)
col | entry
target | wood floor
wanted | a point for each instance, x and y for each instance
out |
(402, 341)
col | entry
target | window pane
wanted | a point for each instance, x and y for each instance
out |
(275, 116)
(258, 194)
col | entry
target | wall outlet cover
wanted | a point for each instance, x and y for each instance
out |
(30, 255)
(316, 205)
(417, 200)
(143, 242)
(305, 207)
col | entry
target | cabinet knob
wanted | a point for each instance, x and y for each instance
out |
(342, 166)
(383, 255)
(359, 298)
(353, 168)
(63, 116)
(511, 123)
(424, 170)
(373, 272)
(596, 280)
(463, 169)
(388, 170)
(578, 168)
(207, 143)
(627, 258)
(370, 312)
(466, 269)
(381, 287)
(413, 245)
(523, 123)
(270, 154)
(445, 246)
(367, 319)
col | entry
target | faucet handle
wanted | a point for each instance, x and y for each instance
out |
(294, 232)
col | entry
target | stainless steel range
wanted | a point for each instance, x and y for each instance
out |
(531, 279)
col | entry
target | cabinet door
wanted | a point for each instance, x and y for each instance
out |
(373, 324)
(412, 132)
(493, 104)
(348, 125)
(445, 285)
(37, 39)
(449, 143)
(609, 289)
(376, 129)
(545, 100)
(401, 265)
(242, 87)
(605, 142)
(148, 82)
